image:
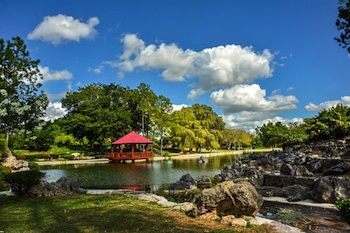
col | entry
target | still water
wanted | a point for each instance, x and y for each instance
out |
(141, 175)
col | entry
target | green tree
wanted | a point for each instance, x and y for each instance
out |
(98, 111)
(343, 24)
(272, 134)
(232, 138)
(329, 123)
(21, 106)
(196, 127)
(161, 118)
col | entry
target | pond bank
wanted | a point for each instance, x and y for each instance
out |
(158, 158)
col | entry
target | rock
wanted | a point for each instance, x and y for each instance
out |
(227, 220)
(229, 198)
(202, 159)
(278, 181)
(295, 170)
(188, 179)
(218, 178)
(239, 222)
(63, 186)
(295, 192)
(269, 191)
(338, 169)
(286, 169)
(185, 182)
(8, 160)
(330, 189)
(203, 182)
(179, 185)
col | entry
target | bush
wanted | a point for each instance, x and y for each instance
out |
(344, 207)
(3, 144)
(3, 172)
(21, 182)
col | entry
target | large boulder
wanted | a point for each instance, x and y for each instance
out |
(295, 170)
(229, 198)
(61, 187)
(185, 182)
(8, 160)
(338, 169)
(330, 189)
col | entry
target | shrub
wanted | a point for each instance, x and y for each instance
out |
(21, 182)
(3, 144)
(3, 172)
(344, 207)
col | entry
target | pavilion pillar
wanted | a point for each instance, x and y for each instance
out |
(132, 150)
(146, 150)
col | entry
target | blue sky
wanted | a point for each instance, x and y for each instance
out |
(251, 61)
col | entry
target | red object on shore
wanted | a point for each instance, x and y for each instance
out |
(132, 138)
(131, 147)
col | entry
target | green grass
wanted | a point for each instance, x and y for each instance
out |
(100, 213)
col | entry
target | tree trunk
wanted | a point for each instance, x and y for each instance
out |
(161, 146)
(7, 137)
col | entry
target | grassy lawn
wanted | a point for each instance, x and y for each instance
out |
(101, 213)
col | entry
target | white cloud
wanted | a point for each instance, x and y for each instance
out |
(250, 98)
(53, 97)
(248, 121)
(55, 75)
(311, 107)
(55, 29)
(221, 66)
(177, 107)
(97, 70)
(54, 111)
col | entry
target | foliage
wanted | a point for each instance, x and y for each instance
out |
(277, 134)
(343, 24)
(3, 172)
(196, 127)
(21, 182)
(344, 207)
(161, 119)
(235, 138)
(64, 140)
(3, 144)
(20, 104)
(120, 213)
(331, 123)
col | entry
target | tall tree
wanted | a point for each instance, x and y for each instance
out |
(98, 111)
(343, 24)
(161, 118)
(329, 123)
(21, 104)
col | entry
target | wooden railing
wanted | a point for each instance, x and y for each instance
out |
(128, 155)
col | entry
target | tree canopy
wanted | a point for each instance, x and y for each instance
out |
(343, 24)
(21, 104)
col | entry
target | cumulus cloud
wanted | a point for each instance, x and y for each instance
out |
(311, 107)
(177, 107)
(55, 29)
(54, 111)
(248, 121)
(250, 98)
(222, 66)
(54, 75)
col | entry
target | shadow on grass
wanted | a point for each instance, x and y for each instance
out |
(84, 213)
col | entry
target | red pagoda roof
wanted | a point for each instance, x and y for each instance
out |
(132, 138)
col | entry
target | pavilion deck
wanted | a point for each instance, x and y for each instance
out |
(125, 156)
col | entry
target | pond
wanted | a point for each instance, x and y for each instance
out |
(138, 176)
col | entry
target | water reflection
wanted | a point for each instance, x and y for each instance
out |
(146, 176)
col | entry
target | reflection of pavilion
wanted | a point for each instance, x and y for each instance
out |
(131, 147)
